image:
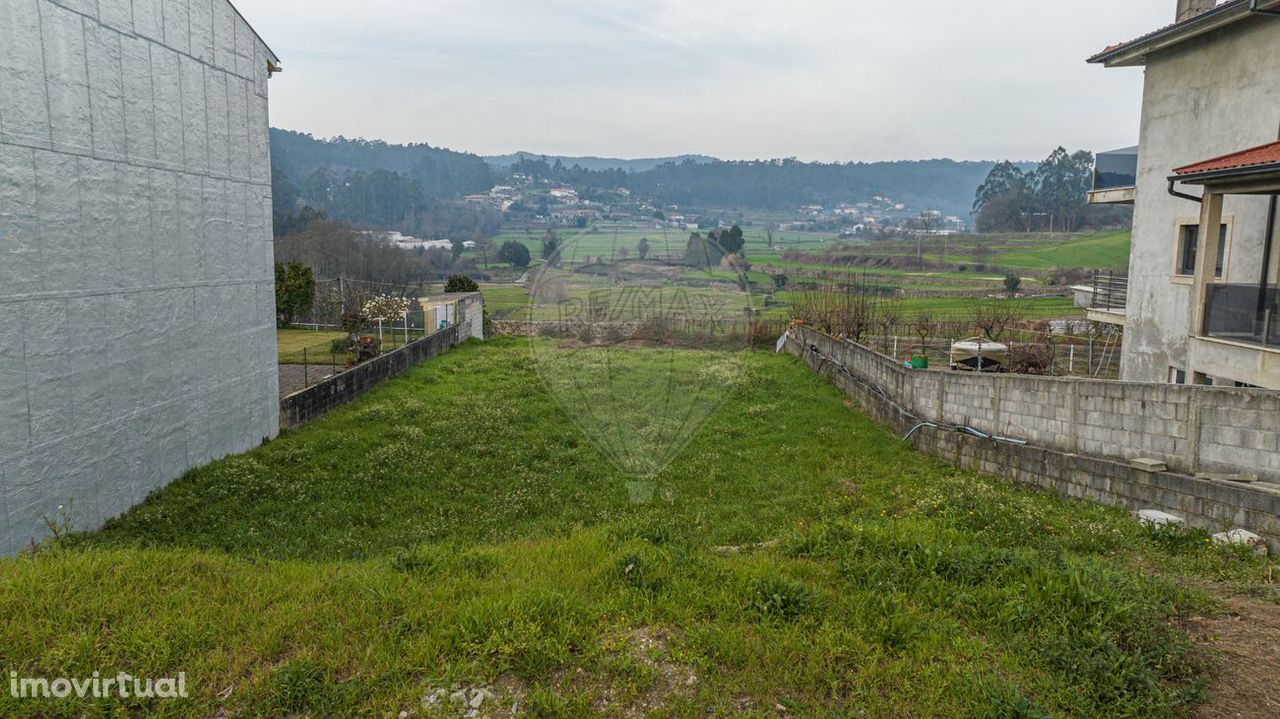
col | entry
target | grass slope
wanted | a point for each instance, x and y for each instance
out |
(454, 526)
(1106, 251)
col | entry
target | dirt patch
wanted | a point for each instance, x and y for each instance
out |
(296, 377)
(1245, 648)
(649, 647)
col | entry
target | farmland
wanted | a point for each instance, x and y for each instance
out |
(456, 528)
(939, 275)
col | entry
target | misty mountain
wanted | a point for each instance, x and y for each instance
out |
(595, 163)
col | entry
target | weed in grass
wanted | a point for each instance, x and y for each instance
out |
(891, 624)
(1005, 701)
(640, 573)
(542, 703)
(300, 686)
(424, 560)
(781, 598)
(1176, 539)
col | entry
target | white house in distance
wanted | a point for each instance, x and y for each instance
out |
(1203, 305)
(137, 303)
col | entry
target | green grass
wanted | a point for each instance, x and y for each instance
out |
(290, 344)
(953, 309)
(604, 240)
(505, 300)
(299, 346)
(456, 526)
(1106, 251)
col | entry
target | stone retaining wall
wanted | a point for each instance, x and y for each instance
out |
(1082, 434)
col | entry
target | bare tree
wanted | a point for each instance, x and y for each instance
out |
(924, 326)
(995, 318)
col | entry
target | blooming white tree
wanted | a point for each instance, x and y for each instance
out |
(386, 307)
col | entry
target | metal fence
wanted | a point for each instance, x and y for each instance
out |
(305, 361)
(1096, 357)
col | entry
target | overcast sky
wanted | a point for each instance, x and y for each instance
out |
(738, 79)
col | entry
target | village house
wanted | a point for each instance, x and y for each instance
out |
(1202, 302)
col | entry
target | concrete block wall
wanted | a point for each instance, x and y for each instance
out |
(137, 305)
(1035, 408)
(301, 407)
(1193, 429)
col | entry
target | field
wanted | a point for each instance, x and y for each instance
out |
(456, 529)
(665, 242)
(1108, 251)
(940, 276)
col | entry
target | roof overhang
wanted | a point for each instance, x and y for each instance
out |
(1136, 52)
(1248, 172)
(1258, 180)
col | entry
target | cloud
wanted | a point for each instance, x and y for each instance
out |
(817, 79)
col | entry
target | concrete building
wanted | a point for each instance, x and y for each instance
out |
(137, 335)
(462, 308)
(1202, 300)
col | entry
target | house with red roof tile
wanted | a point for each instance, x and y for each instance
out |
(1203, 303)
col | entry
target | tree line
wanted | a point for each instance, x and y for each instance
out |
(1053, 196)
(776, 184)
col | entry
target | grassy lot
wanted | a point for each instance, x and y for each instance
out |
(456, 527)
(604, 240)
(290, 344)
(1107, 251)
(1043, 252)
(505, 300)
(953, 308)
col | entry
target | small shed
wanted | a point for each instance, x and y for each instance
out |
(462, 308)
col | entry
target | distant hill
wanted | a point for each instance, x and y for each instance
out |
(595, 163)
(356, 178)
(438, 173)
(780, 185)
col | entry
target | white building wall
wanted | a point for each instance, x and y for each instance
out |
(1210, 96)
(137, 308)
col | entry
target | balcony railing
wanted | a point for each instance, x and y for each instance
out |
(1110, 292)
(1116, 169)
(1244, 313)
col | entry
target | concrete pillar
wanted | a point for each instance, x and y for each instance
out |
(1195, 429)
(1206, 261)
(1188, 9)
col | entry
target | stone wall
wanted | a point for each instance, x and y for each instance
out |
(137, 334)
(302, 407)
(1081, 434)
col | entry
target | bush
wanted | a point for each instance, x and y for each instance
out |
(1012, 284)
(1035, 358)
(514, 253)
(460, 283)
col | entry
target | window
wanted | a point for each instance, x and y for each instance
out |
(1189, 248)
(1177, 376)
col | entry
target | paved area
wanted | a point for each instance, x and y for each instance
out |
(296, 377)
